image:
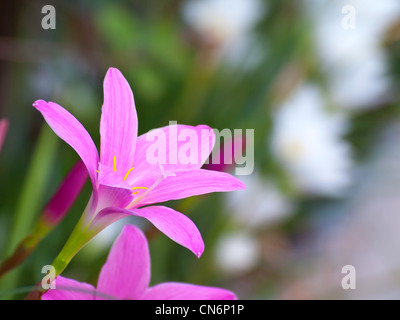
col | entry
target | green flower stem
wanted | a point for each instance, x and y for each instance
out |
(79, 237)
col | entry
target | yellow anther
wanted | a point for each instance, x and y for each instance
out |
(129, 171)
(115, 164)
(139, 188)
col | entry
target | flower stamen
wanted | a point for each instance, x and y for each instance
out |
(129, 171)
(155, 184)
(134, 188)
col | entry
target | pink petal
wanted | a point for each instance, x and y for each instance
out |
(4, 124)
(174, 225)
(66, 194)
(126, 274)
(113, 191)
(68, 289)
(189, 183)
(118, 126)
(68, 128)
(167, 149)
(108, 216)
(109, 177)
(184, 291)
(113, 197)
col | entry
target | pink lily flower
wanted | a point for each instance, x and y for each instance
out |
(122, 178)
(126, 276)
(3, 130)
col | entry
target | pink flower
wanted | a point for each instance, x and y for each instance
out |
(126, 275)
(3, 130)
(123, 180)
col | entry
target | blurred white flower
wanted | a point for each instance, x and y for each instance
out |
(105, 238)
(308, 141)
(363, 232)
(360, 83)
(259, 205)
(237, 252)
(225, 24)
(353, 58)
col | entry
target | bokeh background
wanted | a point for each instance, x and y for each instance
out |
(320, 93)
